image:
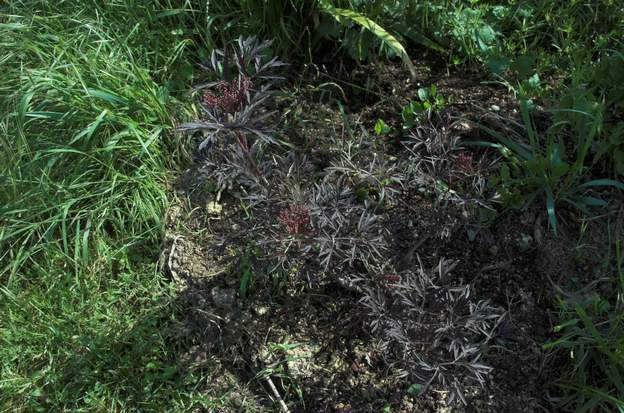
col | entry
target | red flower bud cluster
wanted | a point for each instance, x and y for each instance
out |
(392, 278)
(464, 163)
(231, 96)
(463, 167)
(295, 219)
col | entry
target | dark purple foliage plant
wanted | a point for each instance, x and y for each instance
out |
(232, 105)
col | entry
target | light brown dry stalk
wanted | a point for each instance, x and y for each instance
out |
(280, 401)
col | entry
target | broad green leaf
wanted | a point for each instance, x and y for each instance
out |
(485, 37)
(550, 208)
(497, 65)
(603, 182)
(533, 82)
(376, 29)
(414, 389)
(407, 113)
(591, 201)
(381, 128)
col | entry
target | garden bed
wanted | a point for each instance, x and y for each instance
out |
(370, 272)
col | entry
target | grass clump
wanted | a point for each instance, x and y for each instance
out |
(592, 337)
(84, 154)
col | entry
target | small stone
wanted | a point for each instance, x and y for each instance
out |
(462, 126)
(214, 208)
(260, 309)
(525, 241)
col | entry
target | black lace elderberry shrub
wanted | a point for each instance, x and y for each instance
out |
(295, 220)
(424, 304)
(230, 97)
(233, 106)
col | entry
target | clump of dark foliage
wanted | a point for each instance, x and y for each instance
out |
(329, 225)
(232, 108)
(424, 303)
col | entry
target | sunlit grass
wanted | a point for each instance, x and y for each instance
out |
(85, 153)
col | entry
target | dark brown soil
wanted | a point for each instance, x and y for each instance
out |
(313, 338)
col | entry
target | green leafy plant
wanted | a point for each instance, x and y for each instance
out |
(429, 102)
(590, 332)
(540, 169)
(470, 29)
(382, 128)
(342, 15)
(279, 362)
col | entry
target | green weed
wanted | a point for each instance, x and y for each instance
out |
(540, 169)
(590, 332)
(84, 154)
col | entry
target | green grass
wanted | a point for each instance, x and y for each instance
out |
(85, 150)
(591, 335)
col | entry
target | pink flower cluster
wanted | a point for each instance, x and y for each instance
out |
(464, 163)
(231, 96)
(295, 219)
(463, 167)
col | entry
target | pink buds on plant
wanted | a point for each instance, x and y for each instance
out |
(295, 219)
(231, 96)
